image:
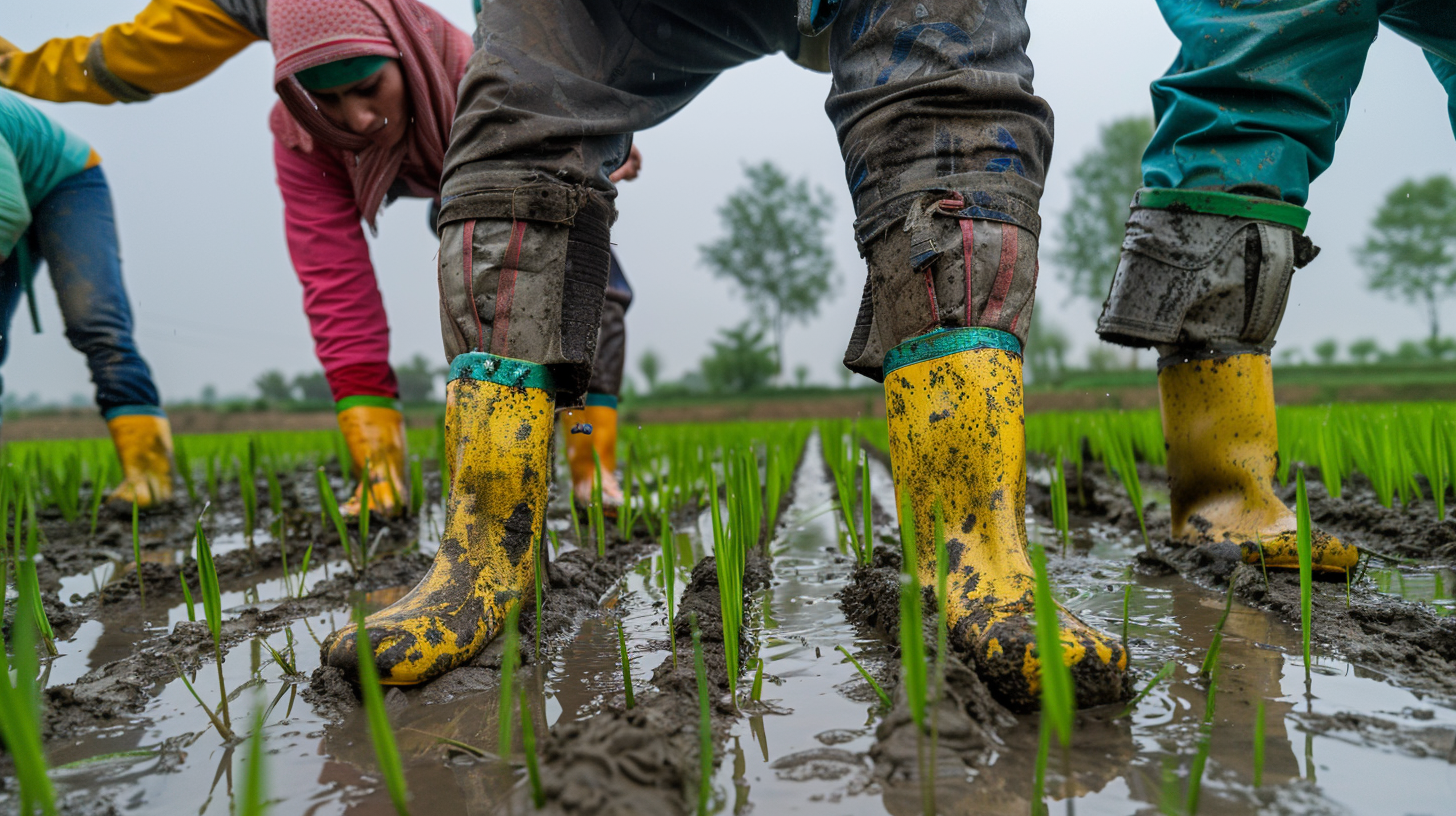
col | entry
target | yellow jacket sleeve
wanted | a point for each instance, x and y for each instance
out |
(169, 45)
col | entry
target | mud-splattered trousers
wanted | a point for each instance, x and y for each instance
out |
(1259, 91)
(73, 229)
(945, 148)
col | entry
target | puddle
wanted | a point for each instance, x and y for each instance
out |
(1433, 586)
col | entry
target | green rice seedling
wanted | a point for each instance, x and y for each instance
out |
(510, 662)
(20, 705)
(540, 577)
(841, 466)
(912, 641)
(1427, 445)
(1163, 674)
(380, 731)
(528, 742)
(364, 496)
(1259, 743)
(884, 698)
(25, 576)
(756, 694)
(253, 800)
(212, 608)
(222, 728)
(1057, 696)
(1200, 756)
(1327, 450)
(284, 661)
(98, 492)
(184, 468)
(627, 513)
(329, 508)
(705, 722)
(728, 559)
(136, 554)
(302, 568)
(417, 485)
(1117, 450)
(1060, 518)
(210, 474)
(1210, 659)
(248, 486)
(669, 577)
(626, 666)
(597, 511)
(576, 526)
(1303, 542)
(866, 504)
(187, 596)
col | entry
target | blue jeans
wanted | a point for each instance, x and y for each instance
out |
(1260, 91)
(74, 231)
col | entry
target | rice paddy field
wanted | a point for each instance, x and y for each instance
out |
(742, 639)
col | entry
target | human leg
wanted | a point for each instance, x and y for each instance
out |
(946, 148)
(591, 431)
(545, 114)
(75, 230)
(1246, 120)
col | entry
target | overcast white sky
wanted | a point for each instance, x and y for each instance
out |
(217, 303)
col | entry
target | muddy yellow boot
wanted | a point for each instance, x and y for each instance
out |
(1223, 449)
(957, 437)
(373, 427)
(498, 424)
(600, 414)
(144, 445)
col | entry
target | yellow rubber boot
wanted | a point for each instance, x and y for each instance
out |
(957, 437)
(374, 430)
(600, 414)
(1223, 450)
(498, 424)
(144, 446)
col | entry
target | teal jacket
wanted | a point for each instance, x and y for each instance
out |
(36, 154)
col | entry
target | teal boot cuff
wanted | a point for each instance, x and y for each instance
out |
(478, 365)
(945, 342)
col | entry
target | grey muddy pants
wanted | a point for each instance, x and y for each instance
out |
(945, 147)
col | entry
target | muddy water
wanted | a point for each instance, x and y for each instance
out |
(1349, 742)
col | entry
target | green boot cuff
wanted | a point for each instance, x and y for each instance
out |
(371, 400)
(478, 365)
(945, 342)
(1216, 203)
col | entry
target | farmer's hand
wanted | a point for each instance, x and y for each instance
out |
(630, 168)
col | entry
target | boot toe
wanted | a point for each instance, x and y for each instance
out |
(1327, 553)
(396, 657)
(1007, 662)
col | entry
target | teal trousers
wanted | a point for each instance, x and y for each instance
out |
(1260, 90)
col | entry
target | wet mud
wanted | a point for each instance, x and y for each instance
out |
(124, 736)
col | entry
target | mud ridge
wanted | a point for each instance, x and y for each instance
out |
(1402, 639)
(645, 760)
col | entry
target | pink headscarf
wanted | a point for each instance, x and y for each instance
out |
(432, 54)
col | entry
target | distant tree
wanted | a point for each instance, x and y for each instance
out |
(1362, 350)
(416, 380)
(1101, 357)
(1089, 237)
(801, 375)
(1409, 351)
(209, 394)
(651, 367)
(1046, 350)
(273, 387)
(776, 249)
(1411, 251)
(1440, 347)
(741, 361)
(313, 387)
(1326, 350)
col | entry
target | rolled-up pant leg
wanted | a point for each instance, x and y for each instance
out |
(945, 148)
(611, 359)
(546, 112)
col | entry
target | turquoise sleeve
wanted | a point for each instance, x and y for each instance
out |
(14, 209)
